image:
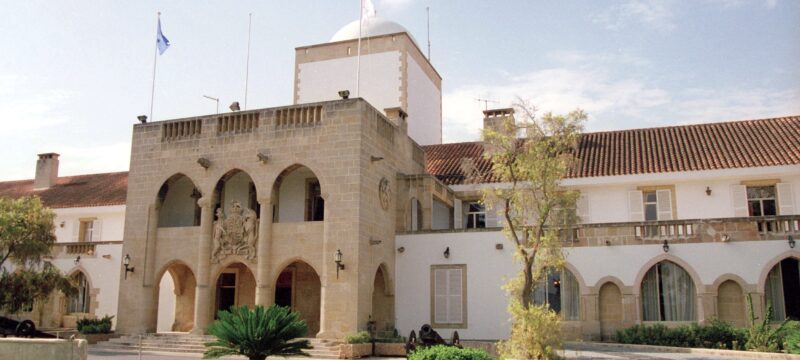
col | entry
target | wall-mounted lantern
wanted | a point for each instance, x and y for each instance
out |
(337, 258)
(447, 253)
(127, 262)
(401, 249)
(77, 260)
(204, 162)
(791, 241)
(708, 191)
(665, 246)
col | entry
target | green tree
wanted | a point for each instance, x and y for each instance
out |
(257, 333)
(26, 235)
(529, 157)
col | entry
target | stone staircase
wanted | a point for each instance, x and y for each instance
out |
(190, 343)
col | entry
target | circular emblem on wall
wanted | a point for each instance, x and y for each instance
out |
(384, 193)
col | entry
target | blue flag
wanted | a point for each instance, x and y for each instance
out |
(161, 41)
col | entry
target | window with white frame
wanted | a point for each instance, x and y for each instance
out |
(474, 215)
(761, 201)
(668, 294)
(87, 230)
(448, 296)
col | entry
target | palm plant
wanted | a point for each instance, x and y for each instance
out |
(257, 333)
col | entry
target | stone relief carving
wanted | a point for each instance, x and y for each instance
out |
(236, 233)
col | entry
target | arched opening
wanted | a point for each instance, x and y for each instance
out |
(80, 303)
(415, 215)
(560, 291)
(236, 286)
(236, 216)
(176, 294)
(668, 293)
(610, 300)
(730, 303)
(298, 287)
(382, 303)
(782, 290)
(178, 198)
(298, 196)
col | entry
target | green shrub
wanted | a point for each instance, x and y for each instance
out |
(358, 338)
(391, 339)
(95, 326)
(762, 336)
(791, 340)
(716, 335)
(448, 353)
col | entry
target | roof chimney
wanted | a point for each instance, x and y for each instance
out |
(495, 118)
(398, 116)
(46, 171)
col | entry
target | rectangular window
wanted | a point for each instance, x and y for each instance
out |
(761, 200)
(315, 205)
(86, 230)
(449, 296)
(475, 214)
(650, 206)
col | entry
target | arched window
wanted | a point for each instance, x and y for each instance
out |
(782, 290)
(560, 292)
(668, 293)
(79, 303)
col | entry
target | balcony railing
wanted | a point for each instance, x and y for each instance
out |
(72, 249)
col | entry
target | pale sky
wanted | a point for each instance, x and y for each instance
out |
(75, 74)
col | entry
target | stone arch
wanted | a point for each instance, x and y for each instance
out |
(578, 276)
(382, 312)
(175, 297)
(298, 195)
(234, 285)
(789, 306)
(612, 279)
(298, 286)
(637, 283)
(610, 309)
(561, 291)
(730, 305)
(87, 294)
(177, 201)
(236, 185)
(695, 312)
(729, 277)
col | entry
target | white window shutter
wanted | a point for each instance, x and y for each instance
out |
(458, 214)
(454, 301)
(97, 231)
(635, 205)
(584, 211)
(440, 296)
(76, 231)
(491, 215)
(785, 199)
(664, 203)
(739, 200)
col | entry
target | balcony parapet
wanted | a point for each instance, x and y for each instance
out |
(72, 249)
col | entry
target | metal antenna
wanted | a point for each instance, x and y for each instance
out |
(428, 11)
(213, 99)
(486, 102)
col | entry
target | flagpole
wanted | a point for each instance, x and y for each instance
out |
(358, 56)
(247, 66)
(155, 63)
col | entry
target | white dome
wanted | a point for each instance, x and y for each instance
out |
(373, 26)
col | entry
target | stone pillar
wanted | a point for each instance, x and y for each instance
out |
(202, 300)
(265, 290)
(151, 245)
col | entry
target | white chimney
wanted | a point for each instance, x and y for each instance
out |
(46, 171)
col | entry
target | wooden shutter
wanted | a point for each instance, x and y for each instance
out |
(97, 231)
(739, 200)
(440, 296)
(584, 212)
(76, 231)
(491, 215)
(635, 205)
(458, 214)
(785, 198)
(664, 204)
(454, 298)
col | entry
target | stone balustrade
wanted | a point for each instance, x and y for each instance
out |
(72, 249)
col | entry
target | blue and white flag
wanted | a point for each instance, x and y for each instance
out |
(161, 41)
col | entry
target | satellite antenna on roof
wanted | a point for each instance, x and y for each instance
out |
(486, 102)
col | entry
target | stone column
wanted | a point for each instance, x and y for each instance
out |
(202, 299)
(265, 290)
(148, 280)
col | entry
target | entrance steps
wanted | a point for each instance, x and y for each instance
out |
(191, 343)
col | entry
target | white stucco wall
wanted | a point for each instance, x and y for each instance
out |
(487, 269)
(111, 217)
(103, 271)
(424, 106)
(292, 196)
(380, 79)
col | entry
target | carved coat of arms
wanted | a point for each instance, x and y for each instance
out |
(236, 233)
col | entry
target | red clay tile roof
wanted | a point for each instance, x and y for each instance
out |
(728, 145)
(74, 191)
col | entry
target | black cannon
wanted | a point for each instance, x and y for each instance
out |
(429, 337)
(24, 328)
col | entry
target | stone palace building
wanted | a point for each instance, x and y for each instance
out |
(352, 212)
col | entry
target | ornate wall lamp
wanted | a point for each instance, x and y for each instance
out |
(127, 262)
(77, 260)
(708, 190)
(447, 253)
(337, 258)
(791, 241)
(665, 247)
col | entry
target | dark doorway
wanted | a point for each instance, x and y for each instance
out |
(283, 289)
(791, 287)
(226, 291)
